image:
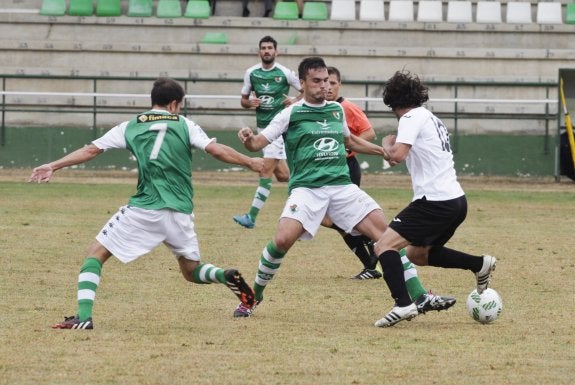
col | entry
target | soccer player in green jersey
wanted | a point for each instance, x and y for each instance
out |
(161, 211)
(266, 87)
(316, 137)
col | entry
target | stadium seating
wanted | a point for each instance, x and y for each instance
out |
(198, 9)
(518, 13)
(315, 10)
(430, 11)
(488, 12)
(401, 10)
(549, 13)
(81, 8)
(286, 10)
(108, 8)
(459, 11)
(140, 8)
(371, 10)
(53, 8)
(214, 38)
(169, 9)
(570, 14)
(292, 39)
(342, 10)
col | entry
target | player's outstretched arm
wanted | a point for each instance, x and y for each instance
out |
(250, 141)
(44, 172)
(229, 155)
(397, 151)
(358, 144)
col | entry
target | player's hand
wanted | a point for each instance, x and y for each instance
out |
(288, 100)
(255, 101)
(256, 164)
(388, 140)
(41, 174)
(245, 134)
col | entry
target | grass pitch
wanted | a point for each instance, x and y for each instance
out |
(315, 325)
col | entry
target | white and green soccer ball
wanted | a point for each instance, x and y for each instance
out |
(485, 307)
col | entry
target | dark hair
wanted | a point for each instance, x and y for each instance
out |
(310, 63)
(268, 39)
(404, 90)
(165, 91)
(334, 71)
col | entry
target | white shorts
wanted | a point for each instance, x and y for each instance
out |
(133, 232)
(346, 206)
(274, 150)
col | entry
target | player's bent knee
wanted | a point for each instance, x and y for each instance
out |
(418, 257)
(187, 268)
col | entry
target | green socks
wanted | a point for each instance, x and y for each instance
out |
(207, 273)
(270, 262)
(414, 286)
(262, 194)
(88, 282)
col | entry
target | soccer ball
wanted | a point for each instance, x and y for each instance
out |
(484, 307)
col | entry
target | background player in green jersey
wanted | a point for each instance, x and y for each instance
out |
(161, 211)
(266, 87)
(316, 138)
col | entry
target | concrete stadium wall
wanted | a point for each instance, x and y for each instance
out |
(126, 46)
(137, 48)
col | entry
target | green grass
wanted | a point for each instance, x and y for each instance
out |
(315, 325)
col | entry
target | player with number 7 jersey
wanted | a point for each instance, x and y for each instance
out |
(161, 211)
(158, 140)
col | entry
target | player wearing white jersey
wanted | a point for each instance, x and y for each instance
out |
(439, 205)
(316, 138)
(161, 211)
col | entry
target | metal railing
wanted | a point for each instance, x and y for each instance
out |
(91, 101)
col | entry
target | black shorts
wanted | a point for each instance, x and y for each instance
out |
(354, 170)
(430, 223)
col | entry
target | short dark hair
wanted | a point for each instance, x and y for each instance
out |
(165, 91)
(268, 39)
(310, 63)
(404, 90)
(334, 71)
